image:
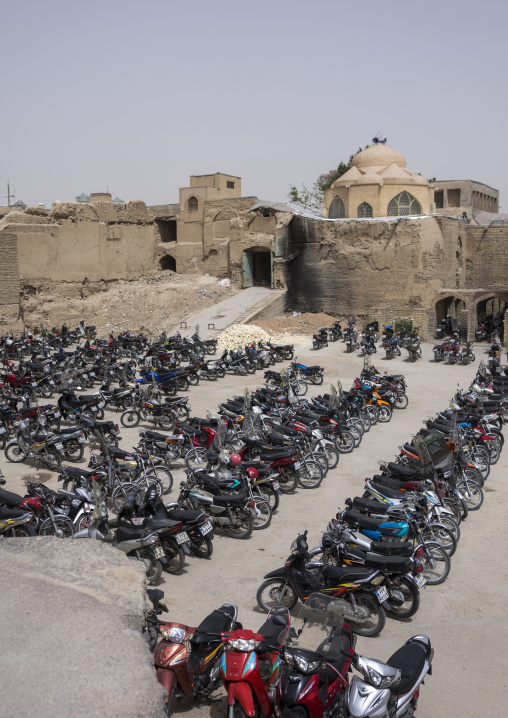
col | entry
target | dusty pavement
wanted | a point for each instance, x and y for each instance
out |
(464, 617)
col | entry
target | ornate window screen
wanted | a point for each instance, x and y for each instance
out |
(364, 210)
(337, 210)
(404, 204)
(193, 204)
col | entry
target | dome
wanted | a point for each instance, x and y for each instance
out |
(378, 155)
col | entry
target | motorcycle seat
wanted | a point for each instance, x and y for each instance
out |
(391, 548)
(369, 506)
(410, 659)
(176, 400)
(128, 533)
(184, 515)
(155, 524)
(234, 500)
(86, 398)
(387, 491)
(271, 630)
(285, 430)
(213, 625)
(10, 498)
(391, 564)
(11, 513)
(333, 652)
(154, 435)
(345, 574)
(353, 518)
(276, 455)
(118, 453)
(405, 471)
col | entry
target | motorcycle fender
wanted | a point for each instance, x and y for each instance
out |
(186, 549)
(387, 606)
(168, 680)
(278, 573)
(241, 693)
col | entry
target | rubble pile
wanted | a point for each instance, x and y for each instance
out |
(238, 335)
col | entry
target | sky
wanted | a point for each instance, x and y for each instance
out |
(136, 96)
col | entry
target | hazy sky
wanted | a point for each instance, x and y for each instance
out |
(137, 96)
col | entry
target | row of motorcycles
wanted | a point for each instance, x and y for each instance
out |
(365, 340)
(374, 558)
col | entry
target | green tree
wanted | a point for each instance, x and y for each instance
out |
(313, 198)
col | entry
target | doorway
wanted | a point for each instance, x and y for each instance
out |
(257, 268)
(167, 262)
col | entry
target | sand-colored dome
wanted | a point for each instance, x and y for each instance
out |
(378, 155)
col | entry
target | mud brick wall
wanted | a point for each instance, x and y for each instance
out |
(9, 280)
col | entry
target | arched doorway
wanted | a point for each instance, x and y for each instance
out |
(167, 262)
(257, 267)
(490, 312)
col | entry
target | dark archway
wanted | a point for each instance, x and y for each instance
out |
(257, 267)
(167, 262)
(490, 312)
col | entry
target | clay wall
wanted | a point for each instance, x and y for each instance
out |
(9, 282)
(349, 268)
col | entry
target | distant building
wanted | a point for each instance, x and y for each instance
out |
(120, 201)
(19, 206)
(83, 197)
(465, 198)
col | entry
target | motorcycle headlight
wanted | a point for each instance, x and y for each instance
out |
(176, 635)
(244, 645)
(380, 681)
(304, 665)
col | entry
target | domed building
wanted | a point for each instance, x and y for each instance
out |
(378, 185)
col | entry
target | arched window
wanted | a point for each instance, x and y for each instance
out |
(167, 262)
(192, 204)
(404, 204)
(337, 209)
(364, 210)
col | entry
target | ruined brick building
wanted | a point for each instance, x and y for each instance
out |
(382, 248)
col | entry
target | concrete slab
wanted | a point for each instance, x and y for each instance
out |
(234, 310)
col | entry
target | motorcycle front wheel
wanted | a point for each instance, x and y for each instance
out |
(73, 450)
(404, 599)
(276, 592)
(288, 480)
(436, 564)
(385, 413)
(129, 418)
(261, 514)
(15, 454)
(376, 617)
(60, 526)
(401, 401)
(310, 474)
(195, 459)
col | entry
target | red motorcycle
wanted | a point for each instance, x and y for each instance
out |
(314, 674)
(250, 667)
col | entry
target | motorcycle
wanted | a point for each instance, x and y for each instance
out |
(391, 689)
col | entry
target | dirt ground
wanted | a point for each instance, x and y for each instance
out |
(465, 617)
(145, 304)
(302, 325)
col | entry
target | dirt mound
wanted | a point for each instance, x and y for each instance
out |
(299, 325)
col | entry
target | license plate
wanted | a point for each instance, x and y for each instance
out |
(57, 414)
(276, 485)
(137, 520)
(59, 446)
(158, 552)
(94, 409)
(206, 528)
(81, 439)
(2, 430)
(92, 373)
(33, 383)
(199, 372)
(297, 464)
(182, 537)
(85, 376)
(382, 594)
(420, 581)
(101, 405)
(51, 382)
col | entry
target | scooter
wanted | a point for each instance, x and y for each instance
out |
(250, 666)
(316, 660)
(391, 689)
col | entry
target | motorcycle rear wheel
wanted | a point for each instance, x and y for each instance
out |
(288, 480)
(276, 592)
(174, 555)
(202, 547)
(153, 567)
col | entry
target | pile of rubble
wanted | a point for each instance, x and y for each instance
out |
(238, 335)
